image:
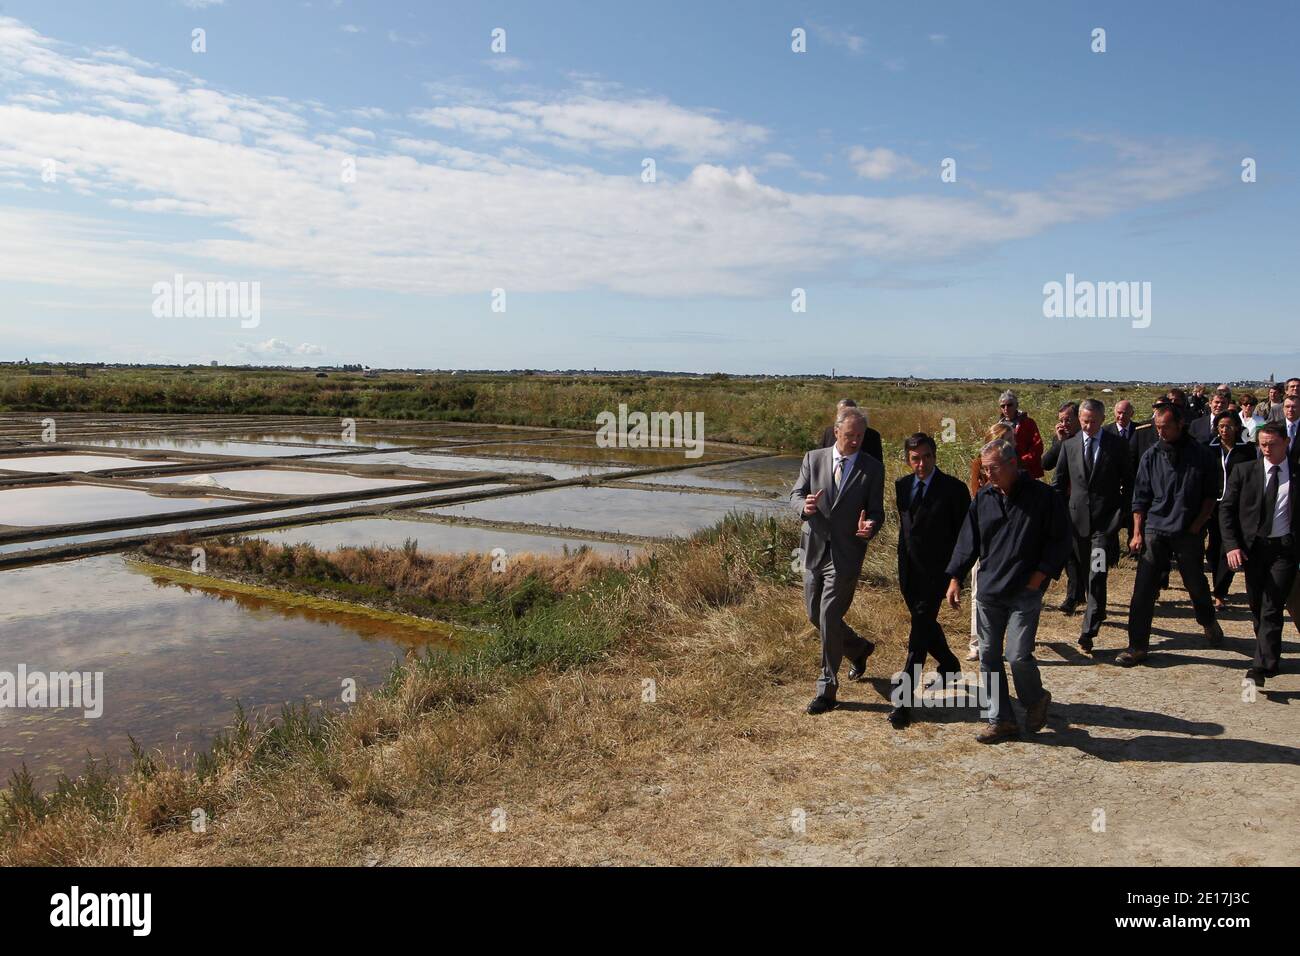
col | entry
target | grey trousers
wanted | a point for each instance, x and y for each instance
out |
(1015, 622)
(1093, 554)
(827, 596)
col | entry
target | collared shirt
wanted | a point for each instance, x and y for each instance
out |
(1012, 535)
(922, 483)
(1122, 431)
(1172, 483)
(1282, 511)
(1091, 444)
(849, 461)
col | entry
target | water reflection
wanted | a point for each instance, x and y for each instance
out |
(175, 657)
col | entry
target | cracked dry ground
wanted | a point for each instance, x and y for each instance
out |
(1185, 771)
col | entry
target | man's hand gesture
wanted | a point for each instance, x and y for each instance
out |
(810, 503)
(866, 529)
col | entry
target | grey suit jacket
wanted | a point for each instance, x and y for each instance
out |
(835, 523)
(1096, 506)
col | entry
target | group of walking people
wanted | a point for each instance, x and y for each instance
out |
(1203, 480)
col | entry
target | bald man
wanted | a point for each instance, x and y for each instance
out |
(1126, 428)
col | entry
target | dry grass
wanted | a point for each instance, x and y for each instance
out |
(403, 578)
(554, 698)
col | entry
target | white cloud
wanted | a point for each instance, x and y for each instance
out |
(505, 64)
(408, 39)
(583, 122)
(881, 163)
(250, 191)
(835, 36)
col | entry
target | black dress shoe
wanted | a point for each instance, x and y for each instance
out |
(1067, 607)
(1085, 642)
(944, 680)
(1257, 676)
(1214, 634)
(858, 668)
(820, 705)
(900, 717)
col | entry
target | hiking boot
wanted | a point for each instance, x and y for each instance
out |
(996, 733)
(1036, 716)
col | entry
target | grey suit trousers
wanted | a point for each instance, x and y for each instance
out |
(827, 596)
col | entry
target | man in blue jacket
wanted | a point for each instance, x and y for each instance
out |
(1019, 531)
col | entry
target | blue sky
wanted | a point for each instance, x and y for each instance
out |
(522, 170)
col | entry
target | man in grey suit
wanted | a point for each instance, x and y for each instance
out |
(840, 497)
(1094, 476)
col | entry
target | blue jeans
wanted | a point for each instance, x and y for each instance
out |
(1013, 621)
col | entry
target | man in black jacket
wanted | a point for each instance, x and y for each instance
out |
(1125, 428)
(931, 508)
(1173, 497)
(1018, 530)
(1067, 426)
(1255, 518)
(1093, 472)
(870, 441)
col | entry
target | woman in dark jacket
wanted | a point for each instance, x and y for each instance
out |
(1232, 451)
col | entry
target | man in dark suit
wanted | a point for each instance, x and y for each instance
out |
(1093, 473)
(1126, 429)
(840, 498)
(1202, 429)
(1291, 423)
(931, 508)
(1067, 426)
(1123, 424)
(870, 439)
(1255, 518)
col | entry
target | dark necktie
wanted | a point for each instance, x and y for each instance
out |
(1088, 444)
(1270, 502)
(917, 494)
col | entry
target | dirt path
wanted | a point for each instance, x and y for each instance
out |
(1184, 770)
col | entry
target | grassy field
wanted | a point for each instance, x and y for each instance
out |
(777, 413)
